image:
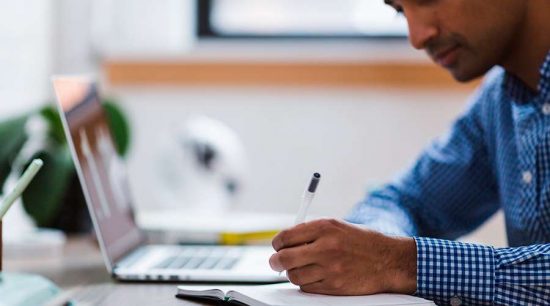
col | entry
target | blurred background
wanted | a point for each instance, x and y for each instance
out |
(304, 86)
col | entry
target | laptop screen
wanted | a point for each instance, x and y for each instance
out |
(100, 169)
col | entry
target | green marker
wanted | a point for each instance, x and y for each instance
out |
(21, 185)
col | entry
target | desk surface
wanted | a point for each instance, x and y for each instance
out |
(80, 267)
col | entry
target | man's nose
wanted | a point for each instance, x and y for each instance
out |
(422, 28)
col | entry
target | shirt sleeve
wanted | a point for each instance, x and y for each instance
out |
(457, 273)
(449, 191)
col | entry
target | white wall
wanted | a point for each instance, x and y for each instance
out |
(26, 42)
(39, 38)
(88, 31)
(355, 137)
(74, 50)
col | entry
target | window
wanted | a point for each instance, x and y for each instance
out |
(299, 18)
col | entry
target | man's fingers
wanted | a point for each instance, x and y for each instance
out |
(305, 275)
(291, 258)
(299, 234)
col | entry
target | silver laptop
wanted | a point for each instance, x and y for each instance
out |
(104, 183)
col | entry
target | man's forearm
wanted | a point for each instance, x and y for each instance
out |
(384, 216)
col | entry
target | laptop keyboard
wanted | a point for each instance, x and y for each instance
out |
(201, 258)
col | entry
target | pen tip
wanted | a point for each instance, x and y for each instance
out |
(314, 182)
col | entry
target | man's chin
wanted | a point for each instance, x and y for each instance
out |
(465, 76)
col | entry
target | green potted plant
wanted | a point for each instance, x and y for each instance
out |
(54, 199)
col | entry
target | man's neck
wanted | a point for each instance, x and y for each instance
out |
(532, 45)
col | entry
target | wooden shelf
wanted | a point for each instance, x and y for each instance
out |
(336, 74)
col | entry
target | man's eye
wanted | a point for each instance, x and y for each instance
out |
(399, 10)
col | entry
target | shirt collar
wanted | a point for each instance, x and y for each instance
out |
(521, 93)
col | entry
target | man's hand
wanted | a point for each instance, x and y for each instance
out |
(333, 257)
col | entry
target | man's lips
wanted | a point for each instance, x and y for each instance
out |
(447, 57)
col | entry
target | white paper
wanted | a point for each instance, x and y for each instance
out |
(288, 294)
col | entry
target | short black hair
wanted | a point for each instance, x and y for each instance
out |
(388, 2)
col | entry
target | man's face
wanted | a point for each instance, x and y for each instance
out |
(467, 37)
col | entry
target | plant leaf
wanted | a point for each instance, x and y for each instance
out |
(12, 138)
(43, 196)
(120, 128)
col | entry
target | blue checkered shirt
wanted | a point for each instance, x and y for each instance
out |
(496, 156)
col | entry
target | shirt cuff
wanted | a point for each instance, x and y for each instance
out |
(455, 273)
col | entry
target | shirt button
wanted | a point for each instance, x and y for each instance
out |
(546, 108)
(527, 177)
(455, 301)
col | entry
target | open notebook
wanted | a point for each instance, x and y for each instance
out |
(288, 294)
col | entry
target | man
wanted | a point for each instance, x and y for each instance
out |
(496, 156)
